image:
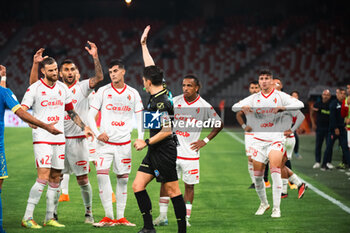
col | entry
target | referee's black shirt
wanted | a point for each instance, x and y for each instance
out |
(162, 102)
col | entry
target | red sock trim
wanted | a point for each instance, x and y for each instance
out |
(275, 170)
(40, 181)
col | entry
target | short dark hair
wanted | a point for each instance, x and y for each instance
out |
(47, 61)
(66, 61)
(154, 74)
(254, 83)
(340, 89)
(296, 92)
(265, 71)
(196, 80)
(117, 62)
(194, 77)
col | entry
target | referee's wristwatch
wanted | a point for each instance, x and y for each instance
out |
(147, 141)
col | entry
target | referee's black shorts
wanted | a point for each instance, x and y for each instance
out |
(160, 161)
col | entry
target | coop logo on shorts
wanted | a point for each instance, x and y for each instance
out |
(152, 120)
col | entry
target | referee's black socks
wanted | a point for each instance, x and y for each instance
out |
(180, 212)
(145, 207)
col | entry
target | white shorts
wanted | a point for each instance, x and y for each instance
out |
(121, 155)
(49, 156)
(189, 169)
(77, 157)
(289, 146)
(348, 137)
(92, 150)
(261, 149)
(248, 138)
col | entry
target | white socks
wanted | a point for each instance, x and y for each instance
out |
(251, 171)
(163, 206)
(260, 186)
(51, 199)
(34, 197)
(105, 190)
(121, 196)
(56, 200)
(285, 186)
(188, 210)
(295, 180)
(65, 183)
(86, 193)
(276, 186)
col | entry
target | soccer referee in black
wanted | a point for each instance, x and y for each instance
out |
(160, 160)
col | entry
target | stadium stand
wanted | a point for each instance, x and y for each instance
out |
(319, 56)
(215, 50)
(7, 30)
(115, 38)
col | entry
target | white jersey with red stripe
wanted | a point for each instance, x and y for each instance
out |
(80, 91)
(198, 110)
(49, 105)
(266, 125)
(117, 109)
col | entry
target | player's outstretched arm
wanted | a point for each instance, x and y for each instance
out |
(25, 116)
(77, 120)
(92, 123)
(93, 81)
(289, 103)
(147, 58)
(34, 73)
(299, 120)
(244, 105)
(239, 118)
(3, 76)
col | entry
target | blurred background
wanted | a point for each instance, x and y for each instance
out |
(305, 43)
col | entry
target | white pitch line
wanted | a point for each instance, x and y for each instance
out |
(310, 186)
(234, 136)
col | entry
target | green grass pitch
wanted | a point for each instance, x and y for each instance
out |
(223, 203)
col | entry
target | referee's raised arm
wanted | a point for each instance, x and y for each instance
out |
(147, 58)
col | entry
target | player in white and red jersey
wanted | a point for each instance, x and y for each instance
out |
(189, 106)
(64, 185)
(267, 109)
(118, 103)
(49, 100)
(76, 149)
(248, 134)
(292, 120)
(91, 146)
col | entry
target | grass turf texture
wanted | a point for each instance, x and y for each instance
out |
(223, 202)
